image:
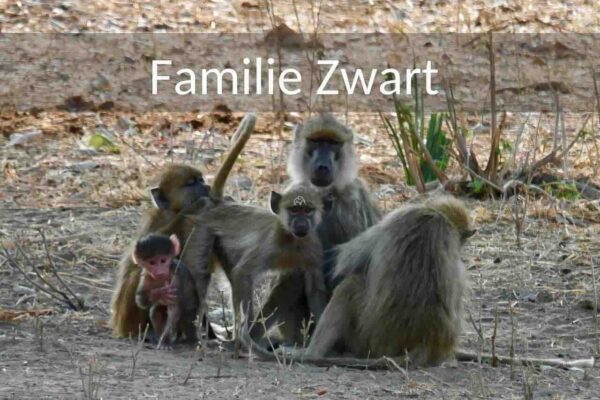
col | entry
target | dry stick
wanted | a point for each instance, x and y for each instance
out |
(135, 353)
(468, 159)
(189, 373)
(552, 156)
(93, 283)
(596, 92)
(414, 169)
(316, 23)
(512, 341)
(39, 275)
(55, 296)
(80, 302)
(515, 150)
(494, 358)
(136, 151)
(438, 172)
(564, 145)
(461, 355)
(595, 316)
(493, 160)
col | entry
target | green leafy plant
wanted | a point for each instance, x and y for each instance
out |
(563, 190)
(422, 153)
(437, 143)
(476, 186)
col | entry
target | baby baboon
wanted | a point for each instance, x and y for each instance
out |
(182, 191)
(322, 154)
(167, 288)
(252, 240)
(403, 287)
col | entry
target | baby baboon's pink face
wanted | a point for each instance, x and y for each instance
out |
(158, 267)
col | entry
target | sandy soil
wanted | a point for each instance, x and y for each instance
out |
(547, 283)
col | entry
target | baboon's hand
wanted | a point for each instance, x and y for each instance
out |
(166, 295)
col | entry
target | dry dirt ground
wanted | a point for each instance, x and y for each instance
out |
(547, 283)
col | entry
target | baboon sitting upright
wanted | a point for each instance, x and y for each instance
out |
(182, 191)
(322, 155)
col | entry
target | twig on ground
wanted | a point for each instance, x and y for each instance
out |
(52, 267)
(135, 350)
(53, 292)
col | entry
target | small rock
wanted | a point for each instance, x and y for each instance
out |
(19, 138)
(124, 123)
(362, 140)
(88, 151)
(83, 166)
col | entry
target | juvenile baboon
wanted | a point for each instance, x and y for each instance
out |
(402, 290)
(181, 191)
(322, 155)
(166, 288)
(252, 240)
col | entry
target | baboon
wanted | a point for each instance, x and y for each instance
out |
(402, 290)
(182, 191)
(322, 155)
(166, 288)
(252, 240)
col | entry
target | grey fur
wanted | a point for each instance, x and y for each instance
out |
(182, 317)
(251, 240)
(353, 211)
(403, 289)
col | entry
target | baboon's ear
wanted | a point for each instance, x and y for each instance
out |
(274, 202)
(297, 130)
(176, 245)
(135, 258)
(159, 199)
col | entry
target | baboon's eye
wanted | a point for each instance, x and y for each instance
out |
(163, 260)
(295, 210)
(192, 181)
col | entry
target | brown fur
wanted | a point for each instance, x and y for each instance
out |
(403, 287)
(177, 201)
(253, 240)
(353, 211)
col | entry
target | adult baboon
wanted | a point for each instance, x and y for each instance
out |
(182, 191)
(322, 154)
(403, 288)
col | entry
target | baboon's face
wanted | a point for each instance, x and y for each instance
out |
(158, 267)
(324, 158)
(193, 189)
(179, 188)
(301, 220)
